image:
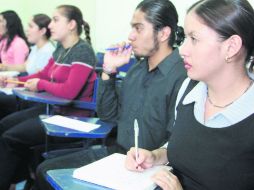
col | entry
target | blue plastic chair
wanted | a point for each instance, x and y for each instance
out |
(88, 105)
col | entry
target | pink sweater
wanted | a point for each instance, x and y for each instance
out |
(16, 53)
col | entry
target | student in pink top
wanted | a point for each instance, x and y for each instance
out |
(39, 35)
(13, 44)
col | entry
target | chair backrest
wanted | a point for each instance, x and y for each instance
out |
(96, 84)
(88, 105)
(126, 67)
(99, 56)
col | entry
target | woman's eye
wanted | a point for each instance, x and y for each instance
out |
(194, 40)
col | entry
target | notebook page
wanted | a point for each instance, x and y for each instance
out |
(111, 172)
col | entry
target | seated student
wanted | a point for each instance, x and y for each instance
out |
(211, 144)
(13, 44)
(148, 91)
(69, 74)
(38, 34)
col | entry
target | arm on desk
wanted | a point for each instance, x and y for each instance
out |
(70, 88)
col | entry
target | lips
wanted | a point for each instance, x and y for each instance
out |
(187, 65)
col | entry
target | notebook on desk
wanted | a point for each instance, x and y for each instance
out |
(110, 172)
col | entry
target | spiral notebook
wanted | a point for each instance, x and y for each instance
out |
(110, 172)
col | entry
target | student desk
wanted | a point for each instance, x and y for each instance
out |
(61, 179)
(58, 131)
(41, 97)
(101, 132)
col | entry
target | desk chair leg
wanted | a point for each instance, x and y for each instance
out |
(18, 105)
(47, 109)
(46, 143)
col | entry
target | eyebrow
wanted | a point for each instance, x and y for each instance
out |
(54, 17)
(136, 24)
(192, 33)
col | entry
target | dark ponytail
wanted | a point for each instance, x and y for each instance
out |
(162, 13)
(251, 67)
(179, 35)
(42, 21)
(73, 13)
(87, 32)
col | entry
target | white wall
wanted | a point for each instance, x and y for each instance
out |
(113, 19)
(109, 19)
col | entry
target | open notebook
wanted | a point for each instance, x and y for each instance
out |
(110, 172)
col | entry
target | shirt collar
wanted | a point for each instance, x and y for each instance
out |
(199, 94)
(169, 62)
(242, 105)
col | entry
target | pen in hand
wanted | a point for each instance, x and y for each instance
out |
(116, 48)
(136, 134)
(14, 81)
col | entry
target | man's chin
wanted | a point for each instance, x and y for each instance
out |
(138, 55)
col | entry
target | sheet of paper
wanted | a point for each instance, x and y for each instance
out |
(9, 73)
(110, 172)
(71, 123)
(8, 91)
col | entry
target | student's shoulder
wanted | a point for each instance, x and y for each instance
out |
(83, 52)
(19, 42)
(49, 47)
(83, 47)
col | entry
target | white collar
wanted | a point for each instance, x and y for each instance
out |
(245, 103)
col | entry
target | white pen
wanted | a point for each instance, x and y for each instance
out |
(136, 133)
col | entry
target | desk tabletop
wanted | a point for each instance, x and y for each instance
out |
(101, 132)
(42, 97)
(61, 179)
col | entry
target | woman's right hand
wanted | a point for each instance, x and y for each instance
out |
(116, 58)
(145, 160)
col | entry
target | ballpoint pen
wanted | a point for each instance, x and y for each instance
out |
(136, 133)
(116, 48)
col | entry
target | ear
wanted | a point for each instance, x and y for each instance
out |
(72, 25)
(43, 31)
(233, 45)
(164, 33)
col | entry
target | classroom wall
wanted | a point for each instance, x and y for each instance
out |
(27, 8)
(109, 19)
